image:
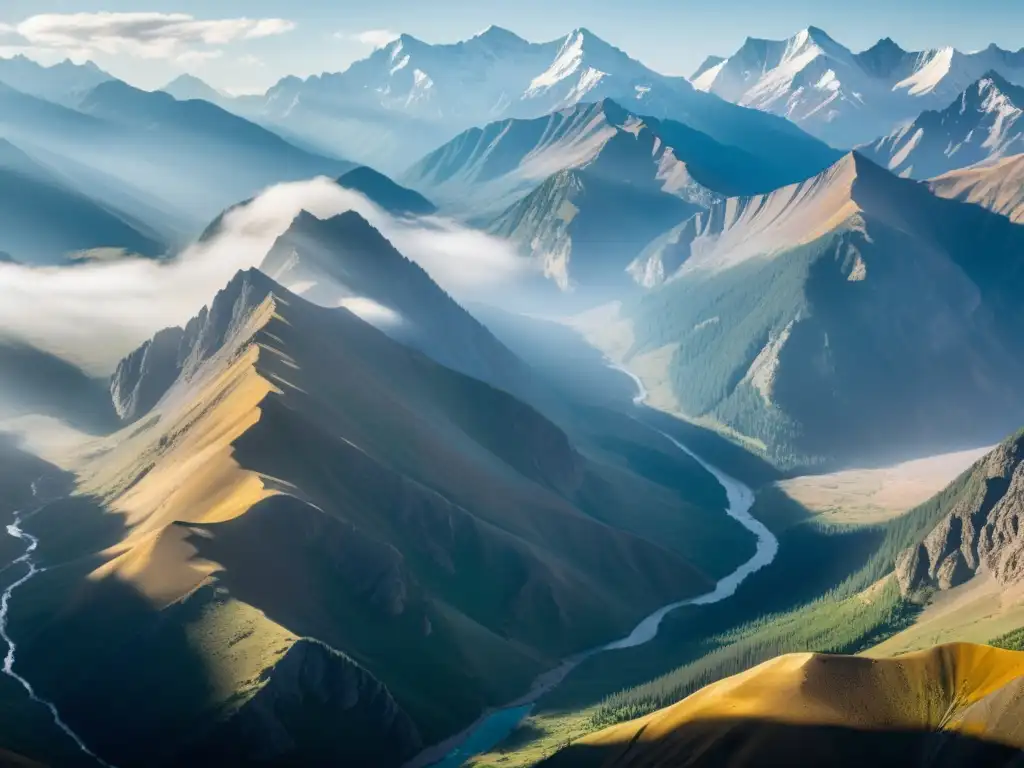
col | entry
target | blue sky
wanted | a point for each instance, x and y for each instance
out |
(231, 50)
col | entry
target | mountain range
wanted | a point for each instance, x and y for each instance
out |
(64, 83)
(980, 127)
(846, 98)
(424, 526)
(556, 393)
(409, 97)
(46, 221)
(583, 190)
(794, 366)
(171, 164)
(489, 168)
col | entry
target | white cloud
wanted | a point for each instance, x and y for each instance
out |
(251, 61)
(377, 38)
(94, 314)
(143, 35)
(370, 311)
(270, 27)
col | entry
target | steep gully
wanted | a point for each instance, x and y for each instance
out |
(15, 530)
(494, 726)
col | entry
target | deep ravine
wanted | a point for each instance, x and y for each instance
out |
(495, 725)
(15, 530)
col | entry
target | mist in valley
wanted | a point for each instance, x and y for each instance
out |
(92, 314)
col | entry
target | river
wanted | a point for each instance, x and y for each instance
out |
(493, 726)
(14, 530)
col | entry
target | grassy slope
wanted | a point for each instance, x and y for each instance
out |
(504, 562)
(958, 703)
(830, 590)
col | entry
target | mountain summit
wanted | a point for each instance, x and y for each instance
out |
(851, 254)
(409, 97)
(844, 98)
(982, 126)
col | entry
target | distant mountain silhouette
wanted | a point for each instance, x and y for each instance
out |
(45, 221)
(390, 196)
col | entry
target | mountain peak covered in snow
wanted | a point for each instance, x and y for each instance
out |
(848, 98)
(982, 126)
(495, 36)
(409, 97)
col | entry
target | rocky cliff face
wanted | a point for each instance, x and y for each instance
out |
(981, 533)
(144, 377)
(316, 707)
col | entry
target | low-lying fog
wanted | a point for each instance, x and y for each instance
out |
(92, 314)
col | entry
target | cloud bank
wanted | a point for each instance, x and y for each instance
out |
(94, 314)
(148, 35)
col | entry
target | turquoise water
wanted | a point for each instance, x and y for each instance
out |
(487, 735)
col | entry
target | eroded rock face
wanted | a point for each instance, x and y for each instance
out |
(144, 377)
(981, 533)
(316, 707)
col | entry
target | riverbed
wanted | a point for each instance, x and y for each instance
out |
(494, 726)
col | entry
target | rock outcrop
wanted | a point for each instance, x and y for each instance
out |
(980, 533)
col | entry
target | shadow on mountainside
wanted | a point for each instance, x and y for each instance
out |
(123, 675)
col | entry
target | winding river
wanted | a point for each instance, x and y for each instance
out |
(493, 726)
(14, 530)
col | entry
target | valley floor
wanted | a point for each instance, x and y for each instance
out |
(871, 496)
(827, 526)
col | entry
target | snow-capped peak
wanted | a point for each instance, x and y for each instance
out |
(568, 61)
(937, 67)
(844, 98)
(498, 36)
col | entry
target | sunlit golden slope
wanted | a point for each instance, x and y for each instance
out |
(998, 187)
(300, 513)
(956, 704)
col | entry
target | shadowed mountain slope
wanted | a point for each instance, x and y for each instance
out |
(192, 156)
(45, 221)
(301, 475)
(864, 268)
(487, 169)
(344, 261)
(583, 229)
(392, 197)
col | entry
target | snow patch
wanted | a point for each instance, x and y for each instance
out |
(565, 64)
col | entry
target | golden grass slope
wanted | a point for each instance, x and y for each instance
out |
(315, 479)
(178, 466)
(969, 690)
(998, 186)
